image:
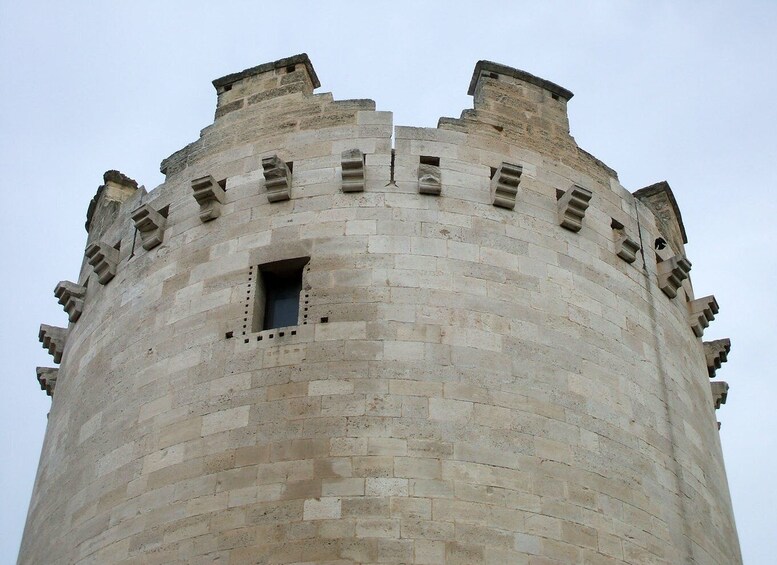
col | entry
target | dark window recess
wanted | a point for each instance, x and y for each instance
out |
(277, 299)
(428, 160)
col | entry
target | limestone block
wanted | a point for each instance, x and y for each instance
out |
(671, 274)
(47, 378)
(429, 179)
(71, 297)
(626, 248)
(701, 312)
(150, 224)
(352, 162)
(716, 353)
(210, 196)
(53, 339)
(504, 185)
(104, 258)
(277, 179)
(572, 206)
(719, 393)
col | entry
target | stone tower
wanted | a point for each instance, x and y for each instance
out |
(307, 346)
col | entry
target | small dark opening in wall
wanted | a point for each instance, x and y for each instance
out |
(117, 247)
(493, 172)
(223, 184)
(493, 76)
(281, 334)
(325, 319)
(660, 243)
(227, 87)
(554, 95)
(559, 193)
(290, 165)
(293, 332)
(616, 225)
(164, 212)
(428, 160)
(228, 335)
(291, 68)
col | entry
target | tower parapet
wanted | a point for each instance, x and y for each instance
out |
(309, 344)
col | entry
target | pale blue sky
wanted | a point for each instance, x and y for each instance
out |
(673, 90)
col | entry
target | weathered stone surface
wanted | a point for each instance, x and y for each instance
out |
(150, 224)
(277, 179)
(429, 179)
(47, 379)
(352, 164)
(504, 185)
(572, 206)
(716, 353)
(460, 384)
(104, 259)
(71, 296)
(671, 274)
(53, 340)
(701, 312)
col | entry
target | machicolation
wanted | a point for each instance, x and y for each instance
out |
(311, 344)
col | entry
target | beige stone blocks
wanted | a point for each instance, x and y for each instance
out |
(352, 166)
(671, 274)
(701, 312)
(716, 353)
(47, 379)
(71, 297)
(104, 259)
(504, 185)
(277, 179)
(572, 206)
(209, 195)
(150, 224)
(53, 340)
(719, 393)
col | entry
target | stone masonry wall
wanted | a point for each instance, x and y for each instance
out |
(466, 384)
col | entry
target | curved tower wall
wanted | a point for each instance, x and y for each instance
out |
(467, 382)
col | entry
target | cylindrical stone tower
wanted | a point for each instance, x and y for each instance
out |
(307, 346)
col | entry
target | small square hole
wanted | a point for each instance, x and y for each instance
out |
(428, 160)
(227, 87)
(291, 68)
(228, 335)
(293, 332)
(325, 319)
(554, 96)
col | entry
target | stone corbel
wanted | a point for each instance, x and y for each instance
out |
(719, 393)
(71, 297)
(210, 196)
(701, 312)
(53, 340)
(716, 353)
(103, 258)
(47, 378)
(277, 179)
(671, 274)
(429, 179)
(572, 206)
(626, 248)
(352, 162)
(504, 185)
(150, 224)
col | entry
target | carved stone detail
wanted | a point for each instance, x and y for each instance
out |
(572, 206)
(626, 248)
(716, 353)
(429, 179)
(701, 312)
(47, 378)
(103, 258)
(71, 297)
(719, 393)
(150, 224)
(504, 185)
(352, 162)
(53, 339)
(210, 196)
(671, 274)
(277, 179)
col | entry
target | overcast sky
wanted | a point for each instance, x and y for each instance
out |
(664, 90)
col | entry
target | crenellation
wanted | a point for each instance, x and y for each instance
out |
(104, 258)
(47, 379)
(716, 353)
(671, 274)
(701, 312)
(352, 166)
(150, 224)
(504, 185)
(53, 339)
(572, 206)
(71, 296)
(277, 179)
(210, 196)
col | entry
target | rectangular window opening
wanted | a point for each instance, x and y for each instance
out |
(278, 289)
(427, 160)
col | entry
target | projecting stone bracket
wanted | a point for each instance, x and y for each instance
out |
(150, 224)
(719, 393)
(626, 248)
(716, 353)
(701, 312)
(504, 185)
(429, 179)
(572, 206)
(210, 196)
(671, 274)
(71, 297)
(53, 340)
(104, 259)
(277, 179)
(47, 378)
(352, 162)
